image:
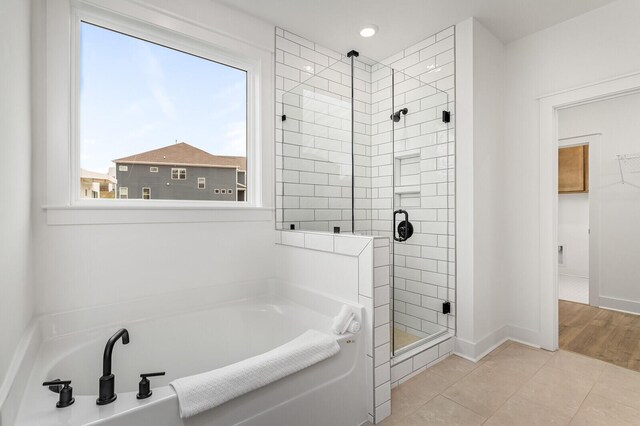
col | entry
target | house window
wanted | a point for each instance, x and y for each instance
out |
(146, 193)
(229, 191)
(178, 173)
(124, 192)
(223, 191)
(216, 191)
(152, 84)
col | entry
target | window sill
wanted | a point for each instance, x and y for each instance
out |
(138, 213)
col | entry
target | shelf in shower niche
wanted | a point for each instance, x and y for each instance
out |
(409, 189)
(402, 155)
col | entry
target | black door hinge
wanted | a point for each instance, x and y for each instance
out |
(446, 307)
(446, 117)
(284, 117)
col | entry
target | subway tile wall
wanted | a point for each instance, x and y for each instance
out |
(373, 294)
(313, 159)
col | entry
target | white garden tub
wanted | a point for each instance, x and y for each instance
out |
(331, 392)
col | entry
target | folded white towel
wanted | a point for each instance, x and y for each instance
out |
(345, 321)
(342, 320)
(208, 390)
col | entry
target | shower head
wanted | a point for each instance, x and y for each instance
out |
(396, 115)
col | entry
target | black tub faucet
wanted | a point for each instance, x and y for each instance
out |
(107, 392)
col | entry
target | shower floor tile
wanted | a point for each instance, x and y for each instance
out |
(402, 339)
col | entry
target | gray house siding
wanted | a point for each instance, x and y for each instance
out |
(162, 187)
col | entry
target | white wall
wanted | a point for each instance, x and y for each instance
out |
(597, 45)
(16, 305)
(480, 167)
(488, 156)
(619, 205)
(84, 265)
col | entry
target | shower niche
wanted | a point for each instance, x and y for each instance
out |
(363, 144)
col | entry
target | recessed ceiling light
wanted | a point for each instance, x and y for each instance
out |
(368, 30)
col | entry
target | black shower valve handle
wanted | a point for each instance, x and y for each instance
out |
(400, 237)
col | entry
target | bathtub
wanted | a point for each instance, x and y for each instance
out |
(188, 341)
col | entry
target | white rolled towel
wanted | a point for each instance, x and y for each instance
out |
(345, 321)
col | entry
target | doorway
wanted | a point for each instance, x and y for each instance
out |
(550, 106)
(598, 207)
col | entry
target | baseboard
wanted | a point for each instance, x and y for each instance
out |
(476, 351)
(573, 274)
(14, 384)
(623, 305)
(525, 336)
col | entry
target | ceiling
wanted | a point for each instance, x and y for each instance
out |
(336, 23)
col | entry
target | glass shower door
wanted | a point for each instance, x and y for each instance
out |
(422, 212)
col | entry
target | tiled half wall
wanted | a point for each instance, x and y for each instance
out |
(371, 290)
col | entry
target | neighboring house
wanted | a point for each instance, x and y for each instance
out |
(181, 172)
(97, 185)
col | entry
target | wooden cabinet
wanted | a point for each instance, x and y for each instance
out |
(573, 169)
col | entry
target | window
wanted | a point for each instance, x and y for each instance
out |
(216, 191)
(223, 191)
(146, 193)
(229, 191)
(156, 88)
(178, 174)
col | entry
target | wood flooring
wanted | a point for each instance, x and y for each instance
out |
(606, 335)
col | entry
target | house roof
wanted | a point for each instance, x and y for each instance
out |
(88, 174)
(183, 154)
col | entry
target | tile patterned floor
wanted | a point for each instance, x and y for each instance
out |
(518, 385)
(402, 338)
(573, 289)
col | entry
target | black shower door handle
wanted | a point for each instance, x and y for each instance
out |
(400, 237)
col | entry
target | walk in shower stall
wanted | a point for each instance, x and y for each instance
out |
(364, 148)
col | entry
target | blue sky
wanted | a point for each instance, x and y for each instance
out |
(137, 96)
